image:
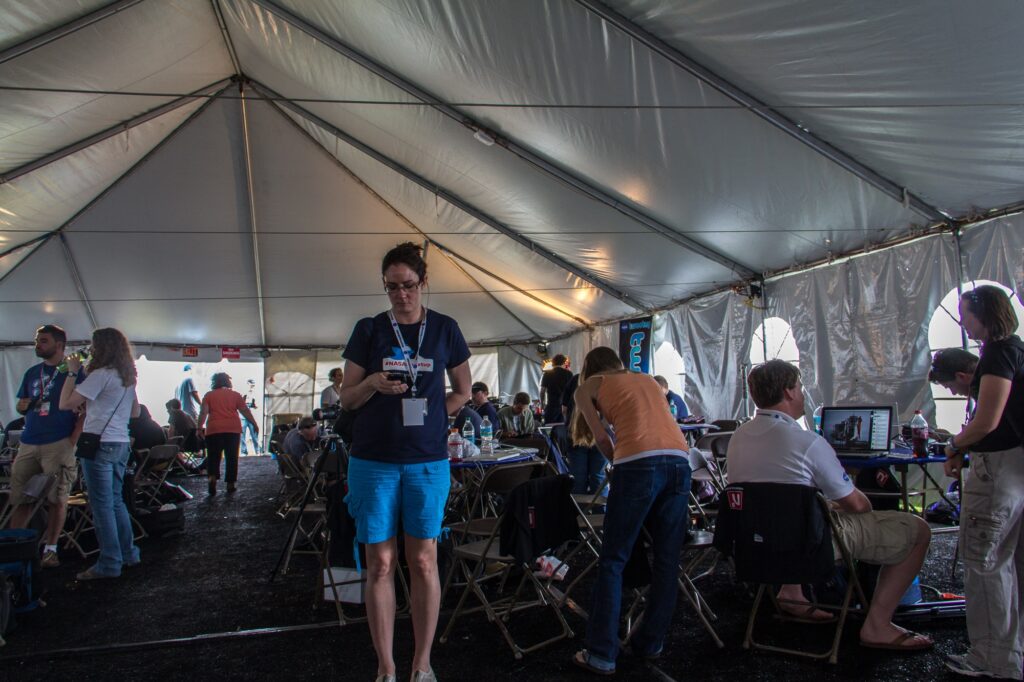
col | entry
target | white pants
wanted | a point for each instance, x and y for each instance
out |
(992, 548)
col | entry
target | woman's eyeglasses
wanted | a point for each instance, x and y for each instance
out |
(392, 287)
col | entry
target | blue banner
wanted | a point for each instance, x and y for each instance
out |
(635, 344)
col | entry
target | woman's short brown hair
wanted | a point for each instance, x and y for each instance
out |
(992, 307)
(767, 382)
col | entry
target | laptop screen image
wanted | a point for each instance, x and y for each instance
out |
(857, 429)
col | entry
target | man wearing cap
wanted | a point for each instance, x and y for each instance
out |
(187, 394)
(301, 440)
(482, 405)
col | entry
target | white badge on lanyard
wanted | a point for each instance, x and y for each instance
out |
(414, 410)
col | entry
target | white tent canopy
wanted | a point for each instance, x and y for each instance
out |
(231, 171)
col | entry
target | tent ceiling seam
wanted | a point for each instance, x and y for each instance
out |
(35, 244)
(509, 145)
(247, 154)
(66, 29)
(765, 112)
(116, 129)
(427, 239)
(450, 198)
(76, 277)
(67, 223)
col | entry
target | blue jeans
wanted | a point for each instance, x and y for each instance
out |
(587, 468)
(649, 493)
(249, 430)
(104, 478)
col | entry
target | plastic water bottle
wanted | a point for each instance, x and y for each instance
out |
(919, 434)
(817, 419)
(486, 436)
(672, 409)
(455, 445)
(468, 434)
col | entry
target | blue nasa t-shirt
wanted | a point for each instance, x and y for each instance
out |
(378, 433)
(43, 383)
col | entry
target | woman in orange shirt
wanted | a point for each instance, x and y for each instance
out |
(649, 490)
(219, 424)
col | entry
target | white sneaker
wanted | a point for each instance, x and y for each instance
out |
(420, 676)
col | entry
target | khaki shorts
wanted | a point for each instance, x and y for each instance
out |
(56, 458)
(878, 537)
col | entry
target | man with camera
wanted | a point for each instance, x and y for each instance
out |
(48, 441)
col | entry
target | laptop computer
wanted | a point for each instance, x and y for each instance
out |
(858, 431)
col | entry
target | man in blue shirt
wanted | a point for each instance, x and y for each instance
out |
(47, 446)
(483, 406)
(188, 395)
(673, 399)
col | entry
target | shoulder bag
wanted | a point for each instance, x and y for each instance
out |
(89, 443)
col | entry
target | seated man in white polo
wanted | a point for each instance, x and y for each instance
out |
(773, 448)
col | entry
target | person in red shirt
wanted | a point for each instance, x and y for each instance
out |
(219, 424)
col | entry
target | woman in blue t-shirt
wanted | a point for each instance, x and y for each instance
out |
(992, 518)
(398, 469)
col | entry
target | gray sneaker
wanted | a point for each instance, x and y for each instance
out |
(420, 676)
(49, 559)
(385, 678)
(959, 664)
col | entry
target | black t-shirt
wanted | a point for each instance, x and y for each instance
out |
(569, 397)
(555, 380)
(146, 432)
(1003, 359)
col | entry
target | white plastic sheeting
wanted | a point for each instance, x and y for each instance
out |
(929, 94)
(861, 326)
(995, 251)
(713, 336)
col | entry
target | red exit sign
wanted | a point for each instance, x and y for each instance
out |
(189, 352)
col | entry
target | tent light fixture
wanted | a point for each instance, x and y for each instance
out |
(483, 137)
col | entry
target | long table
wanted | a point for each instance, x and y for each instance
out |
(902, 466)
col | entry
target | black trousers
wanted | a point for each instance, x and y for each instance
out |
(226, 445)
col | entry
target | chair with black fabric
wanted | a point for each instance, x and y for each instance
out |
(540, 517)
(782, 534)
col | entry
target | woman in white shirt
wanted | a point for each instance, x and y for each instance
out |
(108, 393)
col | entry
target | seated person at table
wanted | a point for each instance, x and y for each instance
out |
(673, 398)
(145, 432)
(475, 419)
(772, 448)
(182, 424)
(483, 406)
(516, 420)
(301, 440)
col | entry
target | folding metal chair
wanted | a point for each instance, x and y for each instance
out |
(296, 478)
(36, 490)
(750, 537)
(152, 472)
(554, 524)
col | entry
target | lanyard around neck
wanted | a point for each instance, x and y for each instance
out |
(406, 353)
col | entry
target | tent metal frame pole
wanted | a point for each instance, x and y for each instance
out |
(427, 241)
(247, 151)
(228, 43)
(117, 129)
(45, 238)
(765, 112)
(34, 244)
(523, 153)
(77, 277)
(67, 29)
(960, 272)
(451, 198)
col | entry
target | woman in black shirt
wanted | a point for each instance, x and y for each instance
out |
(992, 514)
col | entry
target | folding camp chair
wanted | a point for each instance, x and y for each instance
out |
(152, 472)
(542, 516)
(36, 490)
(293, 485)
(757, 524)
